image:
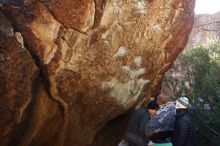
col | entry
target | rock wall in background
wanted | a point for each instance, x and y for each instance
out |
(205, 26)
(82, 64)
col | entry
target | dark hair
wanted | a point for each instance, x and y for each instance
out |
(153, 105)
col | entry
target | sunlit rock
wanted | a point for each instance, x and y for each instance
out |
(98, 58)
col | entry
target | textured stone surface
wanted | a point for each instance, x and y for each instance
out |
(25, 106)
(205, 26)
(45, 124)
(17, 73)
(100, 58)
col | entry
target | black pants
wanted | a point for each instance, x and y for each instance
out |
(135, 139)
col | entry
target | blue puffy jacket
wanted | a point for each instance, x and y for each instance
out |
(184, 130)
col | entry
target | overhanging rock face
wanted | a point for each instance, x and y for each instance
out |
(99, 58)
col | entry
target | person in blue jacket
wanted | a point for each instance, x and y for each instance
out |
(135, 133)
(184, 130)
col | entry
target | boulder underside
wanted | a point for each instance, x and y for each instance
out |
(68, 67)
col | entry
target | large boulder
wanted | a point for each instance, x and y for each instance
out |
(97, 60)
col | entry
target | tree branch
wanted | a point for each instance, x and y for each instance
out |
(211, 129)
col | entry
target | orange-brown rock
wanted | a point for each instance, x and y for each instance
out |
(25, 106)
(17, 74)
(99, 58)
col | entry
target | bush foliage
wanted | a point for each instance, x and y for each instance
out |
(200, 67)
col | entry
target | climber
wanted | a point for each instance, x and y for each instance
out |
(135, 133)
(184, 131)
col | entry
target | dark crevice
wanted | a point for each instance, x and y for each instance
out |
(18, 28)
(113, 132)
(21, 128)
(99, 9)
(31, 43)
(16, 17)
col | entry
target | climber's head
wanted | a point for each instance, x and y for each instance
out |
(153, 107)
(182, 103)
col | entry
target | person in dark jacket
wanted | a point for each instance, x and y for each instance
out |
(135, 133)
(184, 131)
